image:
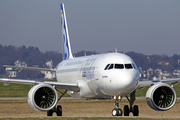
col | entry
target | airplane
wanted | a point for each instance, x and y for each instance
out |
(101, 76)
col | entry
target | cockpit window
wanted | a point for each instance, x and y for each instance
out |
(111, 66)
(119, 66)
(128, 66)
(134, 65)
(106, 67)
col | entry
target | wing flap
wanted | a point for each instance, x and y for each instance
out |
(30, 68)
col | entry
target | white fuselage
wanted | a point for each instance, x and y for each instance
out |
(100, 76)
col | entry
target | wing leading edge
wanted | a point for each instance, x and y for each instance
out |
(142, 84)
(60, 85)
(30, 68)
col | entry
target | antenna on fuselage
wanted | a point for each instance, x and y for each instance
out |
(116, 50)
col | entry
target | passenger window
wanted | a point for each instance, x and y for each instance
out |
(106, 67)
(128, 66)
(119, 66)
(111, 66)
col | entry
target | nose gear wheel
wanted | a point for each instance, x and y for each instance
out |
(117, 111)
(134, 109)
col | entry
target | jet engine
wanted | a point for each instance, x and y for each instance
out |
(161, 97)
(42, 97)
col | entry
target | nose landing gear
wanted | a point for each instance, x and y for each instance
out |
(117, 111)
(134, 109)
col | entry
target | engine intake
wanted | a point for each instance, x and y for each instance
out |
(161, 97)
(42, 97)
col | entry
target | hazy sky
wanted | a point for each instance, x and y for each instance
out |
(143, 26)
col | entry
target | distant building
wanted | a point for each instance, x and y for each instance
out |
(176, 73)
(12, 72)
(49, 64)
(20, 64)
(150, 71)
(162, 76)
(163, 63)
(158, 71)
(49, 75)
(165, 73)
(156, 78)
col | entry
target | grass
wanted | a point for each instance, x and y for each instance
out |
(19, 90)
(142, 92)
(14, 90)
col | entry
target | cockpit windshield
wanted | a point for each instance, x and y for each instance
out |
(111, 66)
(128, 66)
(106, 67)
(119, 66)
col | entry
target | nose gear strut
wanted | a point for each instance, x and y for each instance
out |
(134, 109)
(117, 111)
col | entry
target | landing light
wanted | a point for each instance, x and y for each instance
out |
(117, 97)
(114, 97)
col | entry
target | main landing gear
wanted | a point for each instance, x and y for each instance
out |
(57, 109)
(134, 109)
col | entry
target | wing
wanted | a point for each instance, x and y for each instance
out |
(31, 68)
(60, 85)
(142, 84)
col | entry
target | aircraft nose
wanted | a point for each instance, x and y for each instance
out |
(122, 83)
(127, 79)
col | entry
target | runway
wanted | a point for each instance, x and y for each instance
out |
(100, 117)
(84, 108)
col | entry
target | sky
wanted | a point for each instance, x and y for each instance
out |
(143, 26)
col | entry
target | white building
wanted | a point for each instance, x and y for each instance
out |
(49, 75)
(13, 72)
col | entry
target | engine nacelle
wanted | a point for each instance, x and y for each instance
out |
(42, 97)
(161, 97)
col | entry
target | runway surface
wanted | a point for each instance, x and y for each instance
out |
(85, 108)
(101, 117)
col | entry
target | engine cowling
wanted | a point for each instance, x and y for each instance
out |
(161, 97)
(42, 97)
